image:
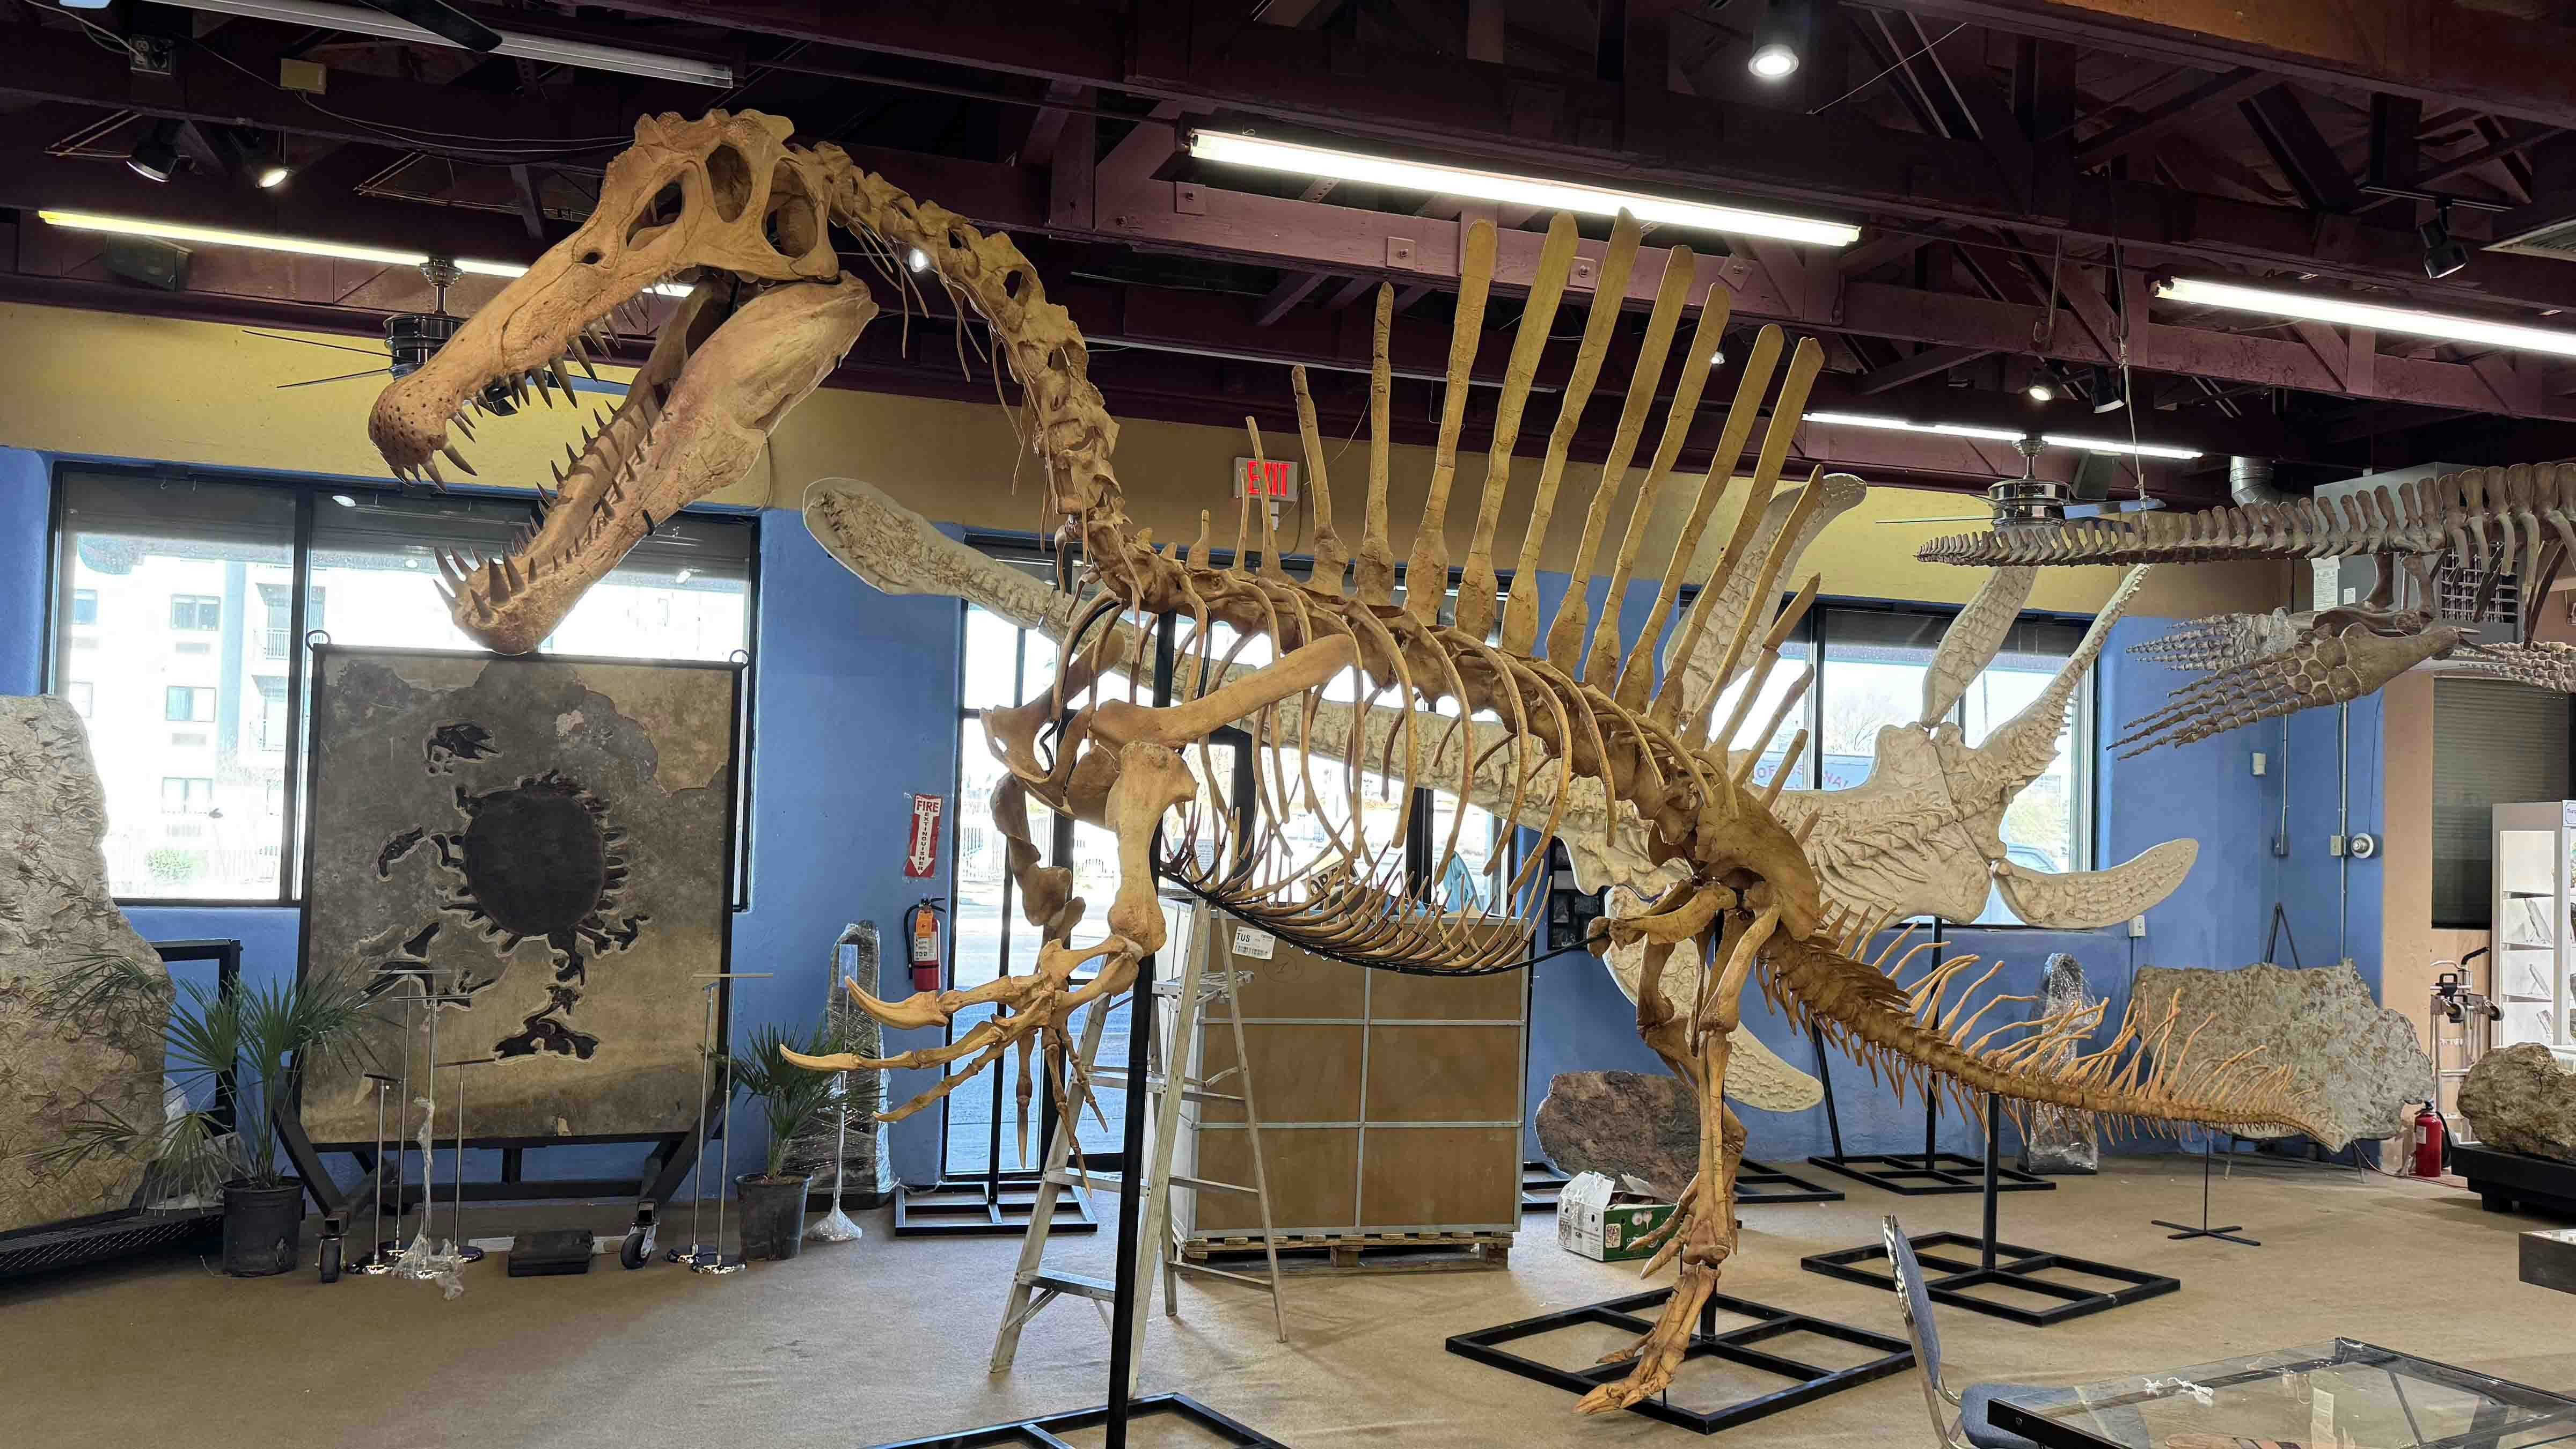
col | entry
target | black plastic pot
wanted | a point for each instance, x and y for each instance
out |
(263, 1229)
(773, 1216)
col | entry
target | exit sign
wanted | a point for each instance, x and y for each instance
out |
(1271, 478)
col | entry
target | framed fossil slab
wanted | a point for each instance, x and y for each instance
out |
(547, 843)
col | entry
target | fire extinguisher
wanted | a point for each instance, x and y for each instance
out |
(2429, 1132)
(923, 920)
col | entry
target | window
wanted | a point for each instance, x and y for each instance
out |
(186, 794)
(137, 547)
(274, 719)
(83, 696)
(2494, 743)
(275, 601)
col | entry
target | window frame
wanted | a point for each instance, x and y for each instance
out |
(307, 492)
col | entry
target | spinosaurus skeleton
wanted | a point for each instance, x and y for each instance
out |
(1749, 904)
(2482, 523)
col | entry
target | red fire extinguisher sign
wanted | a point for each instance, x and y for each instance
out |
(921, 854)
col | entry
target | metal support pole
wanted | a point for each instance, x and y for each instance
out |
(1994, 1158)
(1825, 1080)
(1932, 1101)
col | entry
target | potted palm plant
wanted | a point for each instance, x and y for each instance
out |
(240, 1054)
(790, 1098)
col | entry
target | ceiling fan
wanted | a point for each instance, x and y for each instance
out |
(2030, 500)
(411, 339)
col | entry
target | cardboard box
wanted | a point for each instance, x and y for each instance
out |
(1595, 1219)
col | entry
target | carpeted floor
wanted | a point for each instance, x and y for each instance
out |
(858, 1344)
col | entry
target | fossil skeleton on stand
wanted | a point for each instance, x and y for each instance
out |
(1582, 716)
(2485, 524)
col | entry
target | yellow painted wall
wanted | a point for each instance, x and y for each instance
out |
(205, 393)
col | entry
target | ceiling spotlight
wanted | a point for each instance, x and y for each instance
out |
(272, 176)
(2108, 396)
(1782, 39)
(1717, 359)
(1774, 61)
(2442, 254)
(2043, 388)
(156, 155)
(919, 261)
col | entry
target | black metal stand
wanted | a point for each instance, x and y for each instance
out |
(2227, 1234)
(1933, 1173)
(1046, 1432)
(1998, 1264)
(985, 1208)
(1736, 1346)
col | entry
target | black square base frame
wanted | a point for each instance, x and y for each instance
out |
(1046, 1433)
(1921, 1174)
(974, 1209)
(1949, 1278)
(1635, 1313)
(1757, 1183)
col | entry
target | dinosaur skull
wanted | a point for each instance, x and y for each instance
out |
(722, 200)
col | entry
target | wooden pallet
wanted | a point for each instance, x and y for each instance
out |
(1364, 1252)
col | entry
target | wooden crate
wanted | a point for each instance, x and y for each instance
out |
(1390, 1109)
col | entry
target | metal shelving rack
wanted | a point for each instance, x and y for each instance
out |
(2535, 946)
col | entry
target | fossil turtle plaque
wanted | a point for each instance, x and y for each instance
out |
(544, 844)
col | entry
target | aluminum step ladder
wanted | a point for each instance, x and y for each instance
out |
(1179, 1008)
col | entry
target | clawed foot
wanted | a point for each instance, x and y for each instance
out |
(1658, 1355)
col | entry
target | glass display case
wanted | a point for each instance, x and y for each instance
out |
(2534, 945)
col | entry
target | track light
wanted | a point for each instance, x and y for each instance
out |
(2442, 254)
(156, 154)
(2043, 387)
(1298, 159)
(2108, 395)
(2407, 321)
(272, 176)
(1781, 40)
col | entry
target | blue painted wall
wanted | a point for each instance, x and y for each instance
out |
(855, 695)
(854, 698)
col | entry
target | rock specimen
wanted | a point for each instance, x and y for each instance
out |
(55, 916)
(1623, 1124)
(2060, 1139)
(2359, 1062)
(2521, 1099)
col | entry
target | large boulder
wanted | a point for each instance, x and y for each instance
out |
(56, 915)
(2360, 1063)
(2521, 1098)
(1622, 1124)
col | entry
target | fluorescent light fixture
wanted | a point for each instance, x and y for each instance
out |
(515, 44)
(215, 236)
(2115, 445)
(1900, 425)
(2000, 435)
(2315, 307)
(1303, 160)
